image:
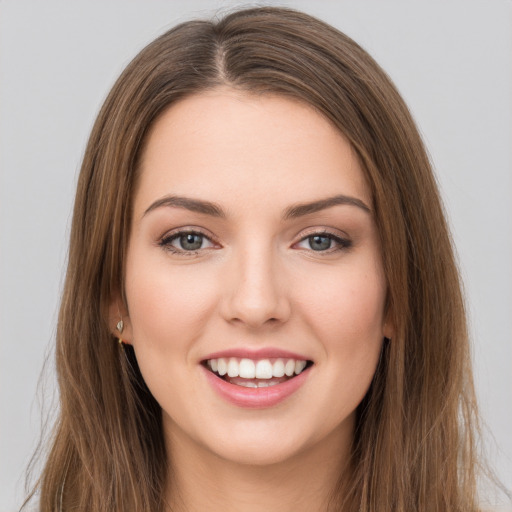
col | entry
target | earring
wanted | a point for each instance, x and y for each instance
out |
(120, 327)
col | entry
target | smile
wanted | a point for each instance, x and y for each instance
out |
(256, 383)
(256, 373)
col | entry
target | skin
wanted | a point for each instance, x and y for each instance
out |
(255, 282)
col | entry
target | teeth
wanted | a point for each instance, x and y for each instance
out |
(233, 368)
(247, 369)
(222, 366)
(299, 366)
(289, 368)
(264, 369)
(262, 384)
(248, 384)
(260, 369)
(278, 368)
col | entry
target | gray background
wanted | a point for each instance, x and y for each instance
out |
(452, 61)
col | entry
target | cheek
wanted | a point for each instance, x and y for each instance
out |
(168, 306)
(169, 309)
(346, 314)
(346, 305)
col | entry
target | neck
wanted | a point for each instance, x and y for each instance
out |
(201, 481)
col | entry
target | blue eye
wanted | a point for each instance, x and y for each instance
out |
(186, 241)
(324, 242)
(319, 243)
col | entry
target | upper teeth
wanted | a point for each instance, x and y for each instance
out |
(260, 369)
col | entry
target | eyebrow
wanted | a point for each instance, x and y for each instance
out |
(302, 209)
(194, 205)
(293, 212)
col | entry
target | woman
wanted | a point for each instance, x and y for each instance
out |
(258, 225)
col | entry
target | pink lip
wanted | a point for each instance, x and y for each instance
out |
(255, 398)
(263, 353)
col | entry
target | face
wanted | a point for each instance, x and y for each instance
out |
(254, 284)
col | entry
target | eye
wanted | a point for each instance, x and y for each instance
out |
(186, 242)
(324, 242)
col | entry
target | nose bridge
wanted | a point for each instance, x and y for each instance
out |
(256, 296)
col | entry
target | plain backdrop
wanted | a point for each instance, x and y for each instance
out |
(451, 60)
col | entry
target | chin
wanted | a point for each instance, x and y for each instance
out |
(275, 444)
(258, 454)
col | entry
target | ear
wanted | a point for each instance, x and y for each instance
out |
(388, 327)
(119, 320)
(388, 331)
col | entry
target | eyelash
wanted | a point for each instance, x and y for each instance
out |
(167, 240)
(341, 244)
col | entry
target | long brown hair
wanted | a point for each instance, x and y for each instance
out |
(414, 447)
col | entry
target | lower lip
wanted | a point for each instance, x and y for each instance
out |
(256, 398)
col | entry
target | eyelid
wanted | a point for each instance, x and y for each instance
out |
(189, 228)
(342, 240)
(164, 240)
(322, 231)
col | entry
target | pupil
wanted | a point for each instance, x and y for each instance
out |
(319, 243)
(191, 242)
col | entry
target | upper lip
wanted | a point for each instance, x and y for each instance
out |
(257, 354)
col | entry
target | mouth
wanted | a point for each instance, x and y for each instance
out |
(256, 373)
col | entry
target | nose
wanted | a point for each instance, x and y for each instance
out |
(256, 294)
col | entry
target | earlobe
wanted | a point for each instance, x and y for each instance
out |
(120, 329)
(388, 331)
(119, 322)
(388, 327)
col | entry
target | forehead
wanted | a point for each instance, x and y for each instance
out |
(231, 147)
